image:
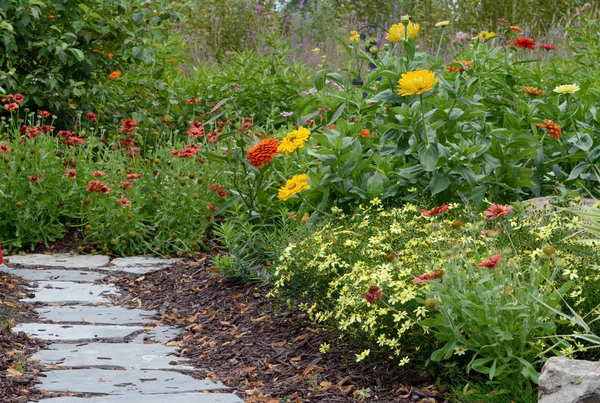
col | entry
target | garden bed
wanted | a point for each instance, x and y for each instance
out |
(261, 349)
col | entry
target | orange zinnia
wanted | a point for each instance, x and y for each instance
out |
(533, 91)
(553, 129)
(525, 43)
(262, 152)
(467, 63)
(114, 75)
(365, 133)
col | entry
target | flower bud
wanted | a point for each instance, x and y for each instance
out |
(548, 250)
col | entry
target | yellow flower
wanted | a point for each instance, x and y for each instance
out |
(459, 351)
(363, 355)
(416, 82)
(567, 89)
(354, 36)
(397, 34)
(316, 50)
(442, 23)
(294, 140)
(485, 35)
(295, 185)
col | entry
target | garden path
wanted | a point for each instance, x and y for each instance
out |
(100, 350)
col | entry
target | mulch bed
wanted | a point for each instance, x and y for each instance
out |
(260, 348)
(17, 375)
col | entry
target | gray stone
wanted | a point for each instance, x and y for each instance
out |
(160, 334)
(60, 292)
(162, 398)
(142, 261)
(94, 314)
(111, 355)
(61, 332)
(63, 260)
(569, 381)
(53, 274)
(141, 270)
(123, 382)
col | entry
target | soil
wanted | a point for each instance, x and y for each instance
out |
(260, 348)
(17, 375)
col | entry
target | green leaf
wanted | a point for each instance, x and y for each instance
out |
(582, 141)
(376, 184)
(429, 156)
(337, 114)
(438, 183)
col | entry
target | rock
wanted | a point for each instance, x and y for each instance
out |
(62, 332)
(569, 381)
(62, 260)
(94, 314)
(53, 274)
(63, 292)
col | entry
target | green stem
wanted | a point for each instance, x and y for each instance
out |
(423, 119)
(440, 44)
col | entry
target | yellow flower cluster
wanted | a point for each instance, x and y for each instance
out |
(293, 186)
(294, 140)
(398, 32)
(354, 36)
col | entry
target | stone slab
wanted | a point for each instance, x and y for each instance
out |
(569, 381)
(62, 292)
(162, 398)
(53, 274)
(141, 270)
(111, 355)
(61, 332)
(62, 260)
(158, 334)
(123, 382)
(94, 314)
(143, 261)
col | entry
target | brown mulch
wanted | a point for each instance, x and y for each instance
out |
(257, 346)
(17, 375)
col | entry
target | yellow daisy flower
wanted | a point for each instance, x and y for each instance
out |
(293, 186)
(293, 140)
(396, 33)
(567, 89)
(416, 82)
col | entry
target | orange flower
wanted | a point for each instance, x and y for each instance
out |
(365, 133)
(553, 129)
(110, 55)
(262, 152)
(114, 75)
(525, 43)
(515, 28)
(467, 63)
(533, 91)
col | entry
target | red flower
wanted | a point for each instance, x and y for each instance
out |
(74, 141)
(91, 116)
(129, 126)
(365, 133)
(491, 261)
(125, 184)
(211, 207)
(215, 186)
(124, 202)
(424, 278)
(5, 148)
(66, 133)
(97, 186)
(71, 173)
(18, 98)
(114, 75)
(35, 178)
(212, 137)
(98, 173)
(435, 211)
(547, 46)
(490, 233)
(47, 128)
(165, 120)
(525, 43)
(374, 294)
(194, 101)
(133, 176)
(45, 114)
(132, 152)
(189, 151)
(263, 152)
(11, 107)
(497, 210)
(222, 193)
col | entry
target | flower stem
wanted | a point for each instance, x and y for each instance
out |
(423, 119)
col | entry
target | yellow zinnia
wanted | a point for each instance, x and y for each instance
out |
(567, 89)
(293, 140)
(416, 82)
(293, 186)
(485, 35)
(396, 33)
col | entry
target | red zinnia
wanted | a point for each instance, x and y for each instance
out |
(497, 210)
(374, 294)
(491, 261)
(263, 152)
(553, 129)
(129, 126)
(435, 211)
(222, 193)
(525, 43)
(547, 46)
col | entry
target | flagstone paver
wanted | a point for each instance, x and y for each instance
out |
(94, 351)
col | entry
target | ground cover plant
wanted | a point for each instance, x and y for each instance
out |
(374, 177)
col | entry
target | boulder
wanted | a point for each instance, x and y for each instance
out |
(569, 381)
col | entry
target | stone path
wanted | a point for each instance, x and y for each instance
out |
(112, 353)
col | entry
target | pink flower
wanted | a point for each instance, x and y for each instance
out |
(45, 114)
(222, 193)
(91, 116)
(18, 98)
(4, 148)
(98, 174)
(129, 126)
(11, 107)
(71, 173)
(374, 294)
(126, 184)
(497, 210)
(35, 178)
(424, 278)
(435, 211)
(211, 207)
(490, 233)
(215, 186)
(124, 202)
(194, 101)
(47, 128)
(97, 186)
(491, 261)
(133, 176)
